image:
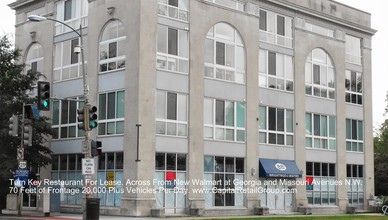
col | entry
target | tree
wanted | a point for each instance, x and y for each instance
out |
(381, 160)
(14, 87)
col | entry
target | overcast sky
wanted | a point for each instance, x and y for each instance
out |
(379, 46)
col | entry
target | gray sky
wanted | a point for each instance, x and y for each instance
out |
(379, 45)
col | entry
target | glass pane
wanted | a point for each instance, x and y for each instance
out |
(111, 105)
(240, 115)
(209, 51)
(324, 126)
(120, 127)
(120, 104)
(171, 162)
(159, 161)
(220, 53)
(360, 130)
(272, 119)
(262, 137)
(289, 121)
(172, 41)
(220, 108)
(280, 120)
(332, 126)
(308, 124)
(182, 107)
(271, 63)
(262, 117)
(102, 106)
(280, 65)
(171, 106)
(208, 164)
(111, 128)
(229, 111)
(317, 125)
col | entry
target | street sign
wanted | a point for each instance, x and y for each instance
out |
(87, 166)
(20, 154)
(21, 178)
(22, 164)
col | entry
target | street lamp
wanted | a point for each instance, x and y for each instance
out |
(77, 50)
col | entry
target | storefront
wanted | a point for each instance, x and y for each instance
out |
(278, 182)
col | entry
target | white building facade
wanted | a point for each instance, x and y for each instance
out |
(242, 104)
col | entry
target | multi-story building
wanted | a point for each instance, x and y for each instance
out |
(258, 103)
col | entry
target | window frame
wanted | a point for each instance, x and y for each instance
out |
(355, 139)
(104, 120)
(353, 89)
(60, 121)
(325, 137)
(179, 12)
(270, 32)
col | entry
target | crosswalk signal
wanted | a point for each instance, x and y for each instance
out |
(96, 148)
(92, 117)
(13, 125)
(44, 96)
(27, 135)
(82, 119)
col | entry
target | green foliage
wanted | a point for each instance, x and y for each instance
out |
(381, 160)
(15, 85)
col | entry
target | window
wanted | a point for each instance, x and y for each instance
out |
(276, 126)
(275, 29)
(111, 113)
(66, 62)
(353, 49)
(225, 54)
(353, 87)
(276, 71)
(64, 120)
(320, 131)
(354, 135)
(224, 172)
(171, 113)
(319, 29)
(110, 168)
(73, 13)
(112, 44)
(170, 174)
(355, 184)
(68, 167)
(321, 183)
(224, 120)
(233, 4)
(320, 75)
(34, 59)
(173, 49)
(174, 9)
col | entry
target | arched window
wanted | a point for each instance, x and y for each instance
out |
(34, 58)
(112, 54)
(225, 54)
(320, 75)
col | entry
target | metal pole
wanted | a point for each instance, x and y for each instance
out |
(138, 128)
(19, 208)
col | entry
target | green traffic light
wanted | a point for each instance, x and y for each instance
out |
(93, 124)
(45, 103)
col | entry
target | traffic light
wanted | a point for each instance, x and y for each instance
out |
(13, 125)
(44, 96)
(82, 118)
(92, 117)
(96, 148)
(27, 134)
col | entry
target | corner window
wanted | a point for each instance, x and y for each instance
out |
(353, 87)
(353, 49)
(320, 75)
(112, 44)
(225, 54)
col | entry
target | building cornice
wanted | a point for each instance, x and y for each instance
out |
(323, 16)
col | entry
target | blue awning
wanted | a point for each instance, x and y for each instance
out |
(279, 168)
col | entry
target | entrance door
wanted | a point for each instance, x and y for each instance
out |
(279, 197)
(175, 197)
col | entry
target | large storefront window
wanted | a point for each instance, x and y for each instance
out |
(321, 188)
(220, 174)
(110, 169)
(355, 184)
(68, 167)
(170, 174)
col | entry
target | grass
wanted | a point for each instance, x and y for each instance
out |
(333, 217)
